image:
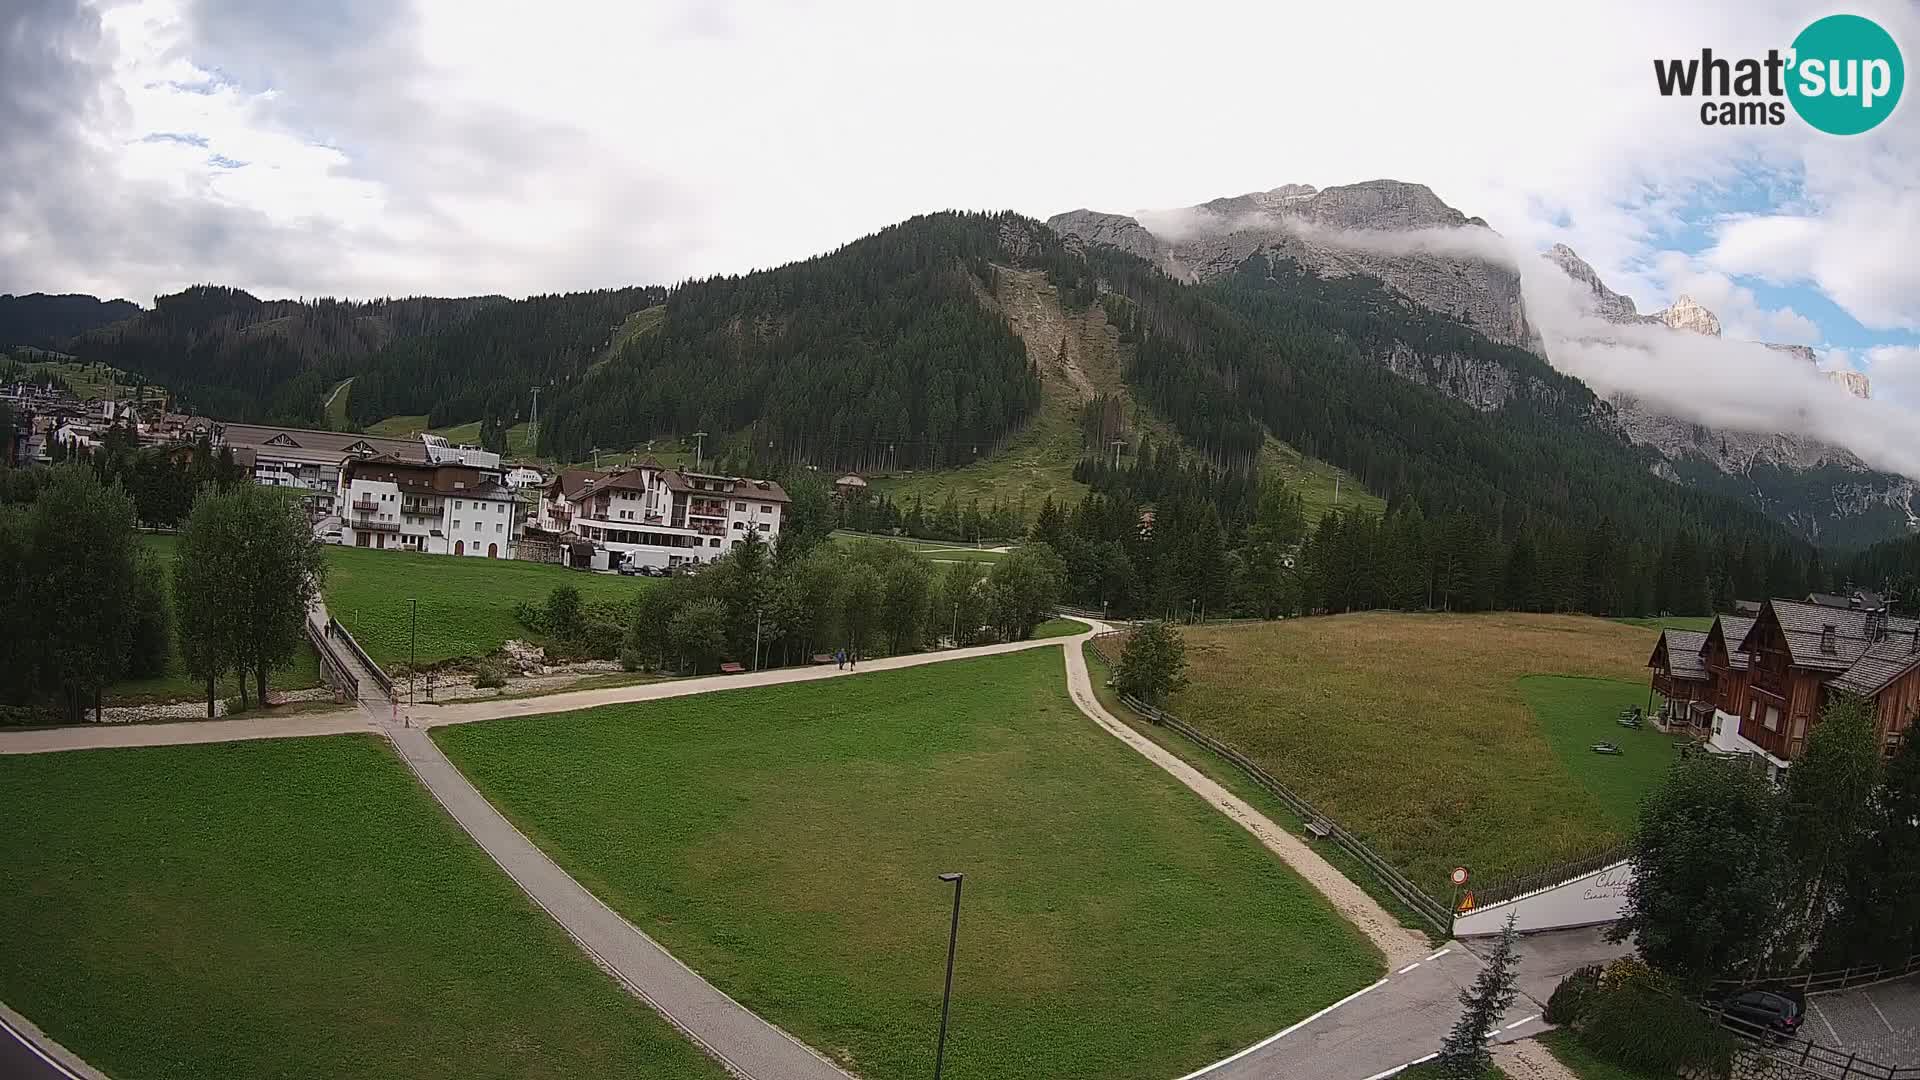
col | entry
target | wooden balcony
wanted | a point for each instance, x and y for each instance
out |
(370, 525)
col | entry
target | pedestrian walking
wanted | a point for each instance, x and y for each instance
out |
(840, 660)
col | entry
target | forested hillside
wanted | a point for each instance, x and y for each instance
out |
(1892, 565)
(484, 367)
(228, 354)
(46, 322)
(880, 351)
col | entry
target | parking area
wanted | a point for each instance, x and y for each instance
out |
(1879, 1023)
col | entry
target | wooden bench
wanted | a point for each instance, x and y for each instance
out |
(1319, 828)
(731, 669)
(822, 658)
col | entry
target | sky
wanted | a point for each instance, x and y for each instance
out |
(451, 147)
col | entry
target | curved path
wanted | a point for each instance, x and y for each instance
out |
(1403, 1013)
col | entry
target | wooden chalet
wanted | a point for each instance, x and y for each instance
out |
(1800, 653)
(1680, 676)
(1727, 667)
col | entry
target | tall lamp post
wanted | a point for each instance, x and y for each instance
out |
(946, 999)
(413, 640)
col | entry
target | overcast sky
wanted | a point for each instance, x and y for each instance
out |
(373, 147)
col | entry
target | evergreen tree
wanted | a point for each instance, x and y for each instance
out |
(1464, 1055)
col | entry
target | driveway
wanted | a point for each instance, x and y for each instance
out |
(1879, 1023)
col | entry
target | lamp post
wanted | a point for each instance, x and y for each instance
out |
(413, 640)
(946, 999)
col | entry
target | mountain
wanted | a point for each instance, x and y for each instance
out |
(46, 322)
(228, 354)
(1385, 230)
(1824, 492)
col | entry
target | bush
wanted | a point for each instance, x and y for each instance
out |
(1638, 1027)
(489, 676)
(237, 705)
(1574, 996)
(531, 615)
(631, 660)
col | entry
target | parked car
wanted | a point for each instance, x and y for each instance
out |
(1775, 1012)
(333, 536)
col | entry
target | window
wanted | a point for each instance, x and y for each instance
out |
(713, 542)
(458, 505)
(764, 526)
(740, 506)
(456, 523)
(1772, 722)
(499, 527)
(766, 508)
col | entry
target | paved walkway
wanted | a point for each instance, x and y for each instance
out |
(752, 1047)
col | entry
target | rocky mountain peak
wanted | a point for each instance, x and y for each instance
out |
(1609, 305)
(1687, 314)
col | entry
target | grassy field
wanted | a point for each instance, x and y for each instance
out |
(1576, 713)
(290, 908)
(336, 405)
(1415, 732)
(1053, 628)
(784, 841)
(937, 550)
(465, 604)
(398, 427)
(177, 685)
(1322, 487)
(1229, 776)
(1702, 623)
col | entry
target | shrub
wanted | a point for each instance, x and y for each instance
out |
(489, 676)
(237, 705)
(531, 615)
(1574, 996)
(1638, 1027)
(631, 660)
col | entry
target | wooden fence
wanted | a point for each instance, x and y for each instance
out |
(342, 676)
(338, 632)
(1808, 1056)
(1826, 982)
(1437, 913)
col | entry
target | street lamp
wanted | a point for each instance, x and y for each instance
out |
(413, 640)
(946, 999)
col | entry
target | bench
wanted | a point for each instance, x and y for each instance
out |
(731, 669)
(822, 658)
(1319, 828)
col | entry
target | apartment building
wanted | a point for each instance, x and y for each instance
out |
(441, 508)
(653, 516)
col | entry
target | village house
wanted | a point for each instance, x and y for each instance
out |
(441, 508)
(1767, 678)
(658, 517)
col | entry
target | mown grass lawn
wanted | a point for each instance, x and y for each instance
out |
(1059, 628)
(176, 685)
(465, 604)
(290, 908)
(1413, 730)
(784, 841)
(944, 550)
(1578, 712)
(1702, 623)
(1583, 1062)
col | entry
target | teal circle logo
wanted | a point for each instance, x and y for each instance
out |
(1847, 75)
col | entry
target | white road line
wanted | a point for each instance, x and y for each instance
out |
(37, 1052)
(1517, 1023)
(1876, 1009)
(1403, 1068)
(1441, 953)
(1821, 1013)
(1408, 968)
(1271, 1039)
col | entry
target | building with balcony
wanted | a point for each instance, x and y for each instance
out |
(660, 517)
(443, 509)
(1770, 676)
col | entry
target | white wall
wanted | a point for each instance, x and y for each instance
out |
(1598, 897)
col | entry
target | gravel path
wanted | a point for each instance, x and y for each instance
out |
(1399, 944)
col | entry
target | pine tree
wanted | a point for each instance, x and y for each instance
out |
(1464, 1055)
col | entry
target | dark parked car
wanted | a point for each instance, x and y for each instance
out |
(1777, 1012)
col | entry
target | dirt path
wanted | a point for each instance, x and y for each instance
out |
(1527, 1059)
(1400, 944)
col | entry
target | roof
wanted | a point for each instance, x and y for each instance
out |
(736, 486)
(1732, 630)
(1805, 627)
(421, 478)
(332, 445)
(1880, 665)
(1681, 651)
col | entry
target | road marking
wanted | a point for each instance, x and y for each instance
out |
(37, 1052)
(1408, 968)
(1876, 1009)
(1821, 1013)
(1271, 1039)
(1441, 953)
(1403, 1068)
(1517, 1023)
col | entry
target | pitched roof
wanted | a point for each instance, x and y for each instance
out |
(334, 445)
(1732, 630)
(1805, 627)
(1879, 666)
(1681, 651)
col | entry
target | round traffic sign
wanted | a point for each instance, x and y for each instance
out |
(1459, 875)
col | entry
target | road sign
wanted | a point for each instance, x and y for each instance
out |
(1459, 875)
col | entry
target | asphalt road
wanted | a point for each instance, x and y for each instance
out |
(22, 1060)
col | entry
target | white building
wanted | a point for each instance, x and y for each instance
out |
(521, 476)
(653, 516)
(441, 509)
(310, 460)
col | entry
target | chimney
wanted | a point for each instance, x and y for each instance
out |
(1876, 625)
(1829, 639)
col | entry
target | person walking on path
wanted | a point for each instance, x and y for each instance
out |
(840, 660)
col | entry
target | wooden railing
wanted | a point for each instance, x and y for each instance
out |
(343, 676)
(339, 633)
(1828, 981)
(1436, 913)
